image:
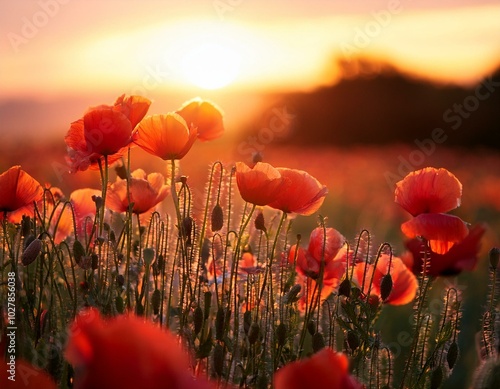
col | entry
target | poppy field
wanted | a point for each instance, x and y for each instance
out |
(268, 277)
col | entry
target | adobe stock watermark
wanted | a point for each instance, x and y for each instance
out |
(453, 116)
(278, 126)
(221, 7)
(371, 29)
(31, 26)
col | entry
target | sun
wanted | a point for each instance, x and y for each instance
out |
(210, 65)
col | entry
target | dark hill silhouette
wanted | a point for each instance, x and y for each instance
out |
(387, 106)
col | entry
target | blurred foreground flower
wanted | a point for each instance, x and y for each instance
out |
(18, 193)
(325, 369)
(205, 116)
(127, 352)
(427, 194)
(104, 130)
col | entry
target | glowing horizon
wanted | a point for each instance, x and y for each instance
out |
(286, 54)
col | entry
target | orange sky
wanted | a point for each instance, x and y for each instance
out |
(51, 48)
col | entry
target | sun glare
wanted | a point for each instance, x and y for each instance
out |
(210, 65)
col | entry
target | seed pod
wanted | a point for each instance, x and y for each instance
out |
(259, 222)
(156, 301)
(31, 252)
(436, 377)
(218, 359)
(494, 257)
(98, 201)
(452, 355)
(197, 319)
(281, 334)
(311, 327)
(318, 342)
(219, 324)
(217, 218)
(352, 340)
(385, 287)
(253, 333)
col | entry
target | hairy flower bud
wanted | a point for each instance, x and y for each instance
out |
(31, 252)
(217, 218)
(385, 287)
(260, 223)
(494, 257)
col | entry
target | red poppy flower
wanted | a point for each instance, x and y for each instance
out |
(426, 194)
(104, 131)
(429, 190)
(301, 193)
(84, 209)
(404, 282)
(27, 377)
(18, 194)
(167, 136)
(462, 256)
(259, 185)
(441, 230)
(325, 369)
(146, 191)
(205, 116)
(248, 264)
(321, 249)
(126, 352)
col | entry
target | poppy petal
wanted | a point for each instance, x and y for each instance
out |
(259, 185)
(429, 190)
(441, 230)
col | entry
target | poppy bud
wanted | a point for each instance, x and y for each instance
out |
(247, 321)
(98, 201)
(311, 327)
(452, 355)
(219, 324)
(31, 252)
(253, 333)
(494, 257)
(218, 359)
(386, 287)
(197, 319)
(121, 172)
(78, 252)
(281, 334)
(120, 306)
(345, 288)
(149, 255)
(208, 303)
(436, 377)
(26, 225)
(318, 342)
(217, 218)
(120, 280)
(187, 225)
(291, 296)
(156, 301)
(352, 340)
(94, 261)
(259, 222)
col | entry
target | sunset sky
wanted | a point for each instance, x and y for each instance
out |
(52, 48)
